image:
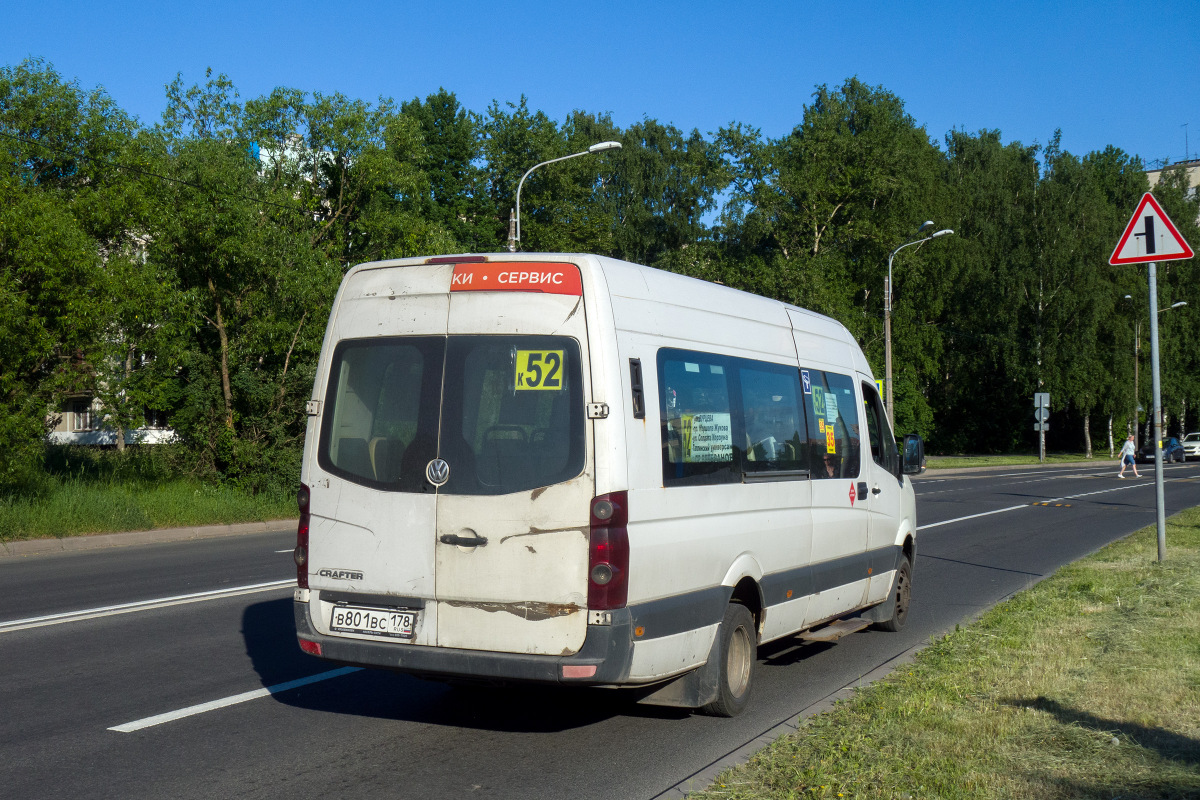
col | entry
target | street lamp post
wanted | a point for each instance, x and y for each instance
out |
(887, 315)
(514, 219)
(1137, 351)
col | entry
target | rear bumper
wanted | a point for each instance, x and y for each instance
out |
(608, 647)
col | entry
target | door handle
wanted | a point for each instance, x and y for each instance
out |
(463, 541)
(875, 490)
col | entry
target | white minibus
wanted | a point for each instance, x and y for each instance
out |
(569, 469)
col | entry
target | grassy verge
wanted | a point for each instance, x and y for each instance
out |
(75, 507)
(1085, 686)
(958, 462)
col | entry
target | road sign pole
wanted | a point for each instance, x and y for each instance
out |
(1149, 237)
(1041, 413)
(1158, 433)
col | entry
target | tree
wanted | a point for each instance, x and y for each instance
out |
(1178, 338)
(50, 276)
(1065, 291)
(815, 214)
(665, 184)
(235, 242)
(1121, 181)
(69, 210)
(983, 377)
(455, 196)
(361, 164)
(270, 202)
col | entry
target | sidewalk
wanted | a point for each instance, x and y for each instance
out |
(31, 547)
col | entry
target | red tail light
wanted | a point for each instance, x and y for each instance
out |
(300, 555)
(608, 555)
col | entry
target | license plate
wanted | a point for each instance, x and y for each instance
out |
(373, 621)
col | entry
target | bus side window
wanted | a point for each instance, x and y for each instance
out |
(773, 419)
(697, 419)
(883, 445)
(833, 424)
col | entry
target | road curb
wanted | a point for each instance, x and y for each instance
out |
(70, 544)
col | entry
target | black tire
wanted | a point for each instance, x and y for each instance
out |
(901, 596)
(738, 658)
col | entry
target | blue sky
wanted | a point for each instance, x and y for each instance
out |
(1120, 73)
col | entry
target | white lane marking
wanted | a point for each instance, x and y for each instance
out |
(212, 705)
(1091, 473)
(141, 605)
(973, 516)
(1030, 505)
(289, 550)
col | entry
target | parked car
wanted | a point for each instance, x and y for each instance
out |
(1171, 448)
(1191, 445)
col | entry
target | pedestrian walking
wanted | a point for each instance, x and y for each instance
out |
(1127, 455)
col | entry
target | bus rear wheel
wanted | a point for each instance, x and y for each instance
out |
(738, 654)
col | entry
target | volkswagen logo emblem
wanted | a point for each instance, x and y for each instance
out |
(438, 472)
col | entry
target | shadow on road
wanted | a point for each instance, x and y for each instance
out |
(268, 629)
(790, 650)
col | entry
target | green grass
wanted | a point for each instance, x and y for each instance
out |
(1085, 686)
(76, 506)
(958, 462)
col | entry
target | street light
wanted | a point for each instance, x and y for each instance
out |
(1137, 351)
(514, 220)
(887, 313)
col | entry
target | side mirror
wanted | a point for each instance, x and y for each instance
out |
(914, 454)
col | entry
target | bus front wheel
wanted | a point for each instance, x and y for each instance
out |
(900, 598)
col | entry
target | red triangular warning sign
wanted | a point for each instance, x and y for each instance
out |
(1150, 236)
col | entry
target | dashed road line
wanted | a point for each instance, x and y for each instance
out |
(1052, 501)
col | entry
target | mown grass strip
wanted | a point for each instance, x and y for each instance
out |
(76, 507)
(1085, 686)
(935, 463)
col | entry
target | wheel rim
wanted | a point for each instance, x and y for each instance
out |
(737, 661)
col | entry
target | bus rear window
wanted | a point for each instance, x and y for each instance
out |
(513, 416)
(505, 412)
(381, 412)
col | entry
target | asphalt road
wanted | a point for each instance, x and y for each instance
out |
(82, 697)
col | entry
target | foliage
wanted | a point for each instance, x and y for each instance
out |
(90, 490)
(188, 268)
(62, 209)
